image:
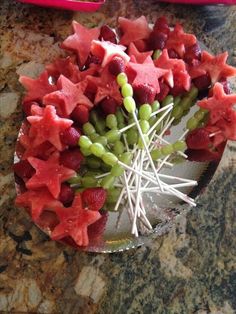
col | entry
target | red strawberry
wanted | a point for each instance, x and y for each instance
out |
(70, 136)
(164, 91)
(192, 52)
(202, 82)
(97, 228)
(226, 86)
(116, 66)
(71, 158)
(80, 114)
(203, 155)
(67, 194)
(94, 198)
(108, 34)
(198, 139)
(157, 40)
(109, 105)
(161, 25)
(92, 59)
(144, 94)
(173, 54)
(23, 169)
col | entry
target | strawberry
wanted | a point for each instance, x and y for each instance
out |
(97, 228)
(107, 34)
(67, 194)
(116, 66)
(192, 52)
(80, 114)
(161, 25)
(108, 105)
(94, 198)
(198, 139)
(226, 86)
(144, 94)
(157, 40)
(202, 82)
(23, 169)
(173, 54)
(70, 136)
(164, 91)
(71, 158)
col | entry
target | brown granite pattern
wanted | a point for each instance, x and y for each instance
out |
(190, 270)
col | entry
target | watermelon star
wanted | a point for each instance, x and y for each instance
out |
(133, 30)
(106, 51)
(147, 74)
(49, 174)
(67, 97)
(179, 40)
(138, 56)
(37, 201)
(218, 104)
(48, 127)
(215, 66)
(74, 222)
(37, 88)
(80, 41)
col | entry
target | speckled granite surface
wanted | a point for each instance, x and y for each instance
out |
(190, 270)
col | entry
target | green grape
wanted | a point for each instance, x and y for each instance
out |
(97, 149)
(113, 136)
(98, 122)
(105, 167)
(199, 115)
(88, 182)
(193, 93)
(167, 100)
(140, 141)
(132, 136)
(121, 79)
(93, 137)
(156, 54)
(93, 162)
(127, 90)
(152, 120)
(120, 117)
(179, 146)
(177, 100)
(177, 112)
(156, 154)
(85, 151)
(176, 121)
(145, 112)
(145, 126)
(108, 181)
(192, 123)
(131, 121)
(185, 103)
(102, 140)
(88, 128)
(113, 195)
(94, 172)
(74, 180)
(129, 104)
(84, 142)
(109, 159)
(155, 105)
(126, 158)
(167, 149)
(111, 121)
(118, 148)
(117, 170)
(204, 110)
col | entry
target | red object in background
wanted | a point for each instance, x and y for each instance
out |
(68, 4)
(201, 1)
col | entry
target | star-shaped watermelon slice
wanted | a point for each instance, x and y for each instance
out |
(80, 41)
(136, 55)
(147, 74)
(49, 174)
(227, 124)
(37, 201)
(133, 30)
(106, 51)
(218, 104)
(215, 66)
(74, 222)
(67, 97)
(47, 128)
(37, 88)
(179, 40)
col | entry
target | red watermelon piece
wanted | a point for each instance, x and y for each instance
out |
(49, 174)
(80, 41)
(133, 30)
(74, 222)
(137, 56)
(37, 88)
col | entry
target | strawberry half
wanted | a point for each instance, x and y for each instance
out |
(70, 136)
(66, 195)
(80, 114)
(71, 158)
(94, 198)
(198, 139)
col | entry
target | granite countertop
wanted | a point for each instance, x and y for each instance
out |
(192, 269)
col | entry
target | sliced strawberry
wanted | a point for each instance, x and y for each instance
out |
(108, 34)
(109, 106)
(70, 136)
(80, 114)
(71, 158)
(144, 94)
(23, 169)
(198, 139)
(67, 194)
(94, 198)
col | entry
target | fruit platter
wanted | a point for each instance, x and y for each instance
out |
(122, 134)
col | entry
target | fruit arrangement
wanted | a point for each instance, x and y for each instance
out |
(94, 139)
